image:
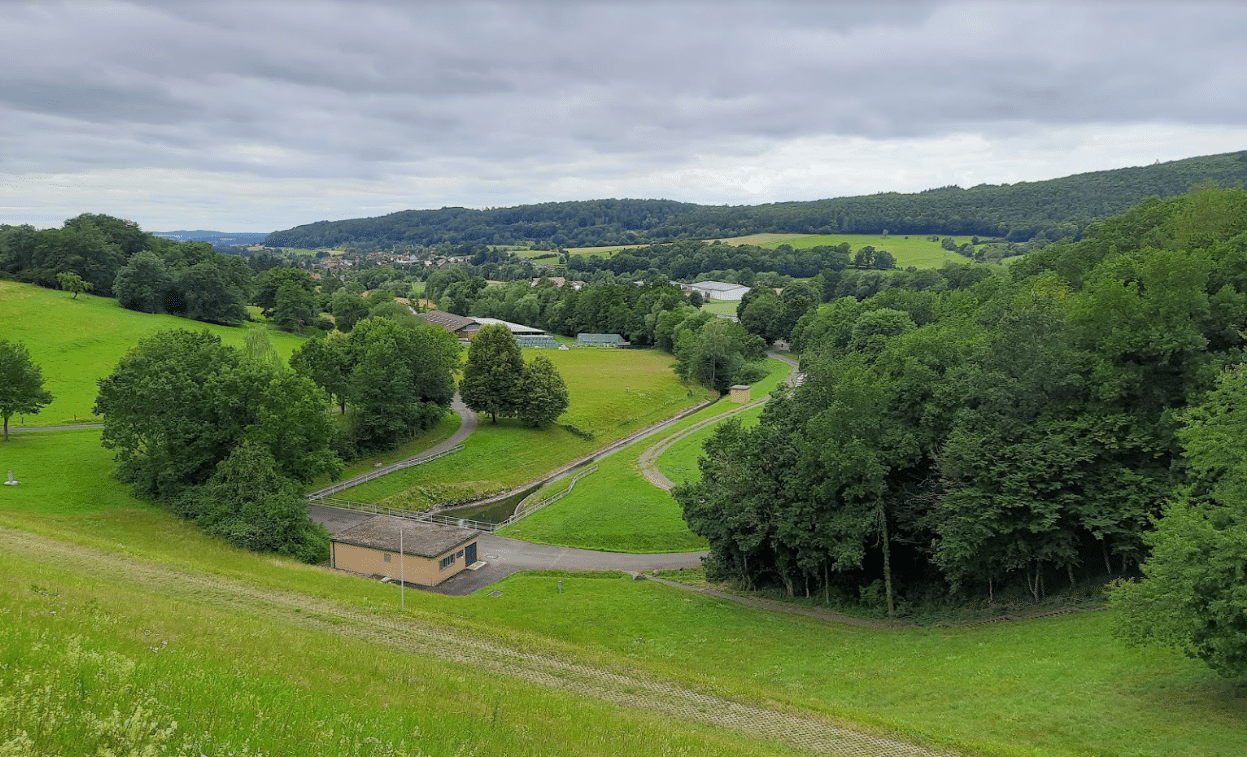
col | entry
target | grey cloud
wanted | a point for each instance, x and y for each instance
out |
(485, 94)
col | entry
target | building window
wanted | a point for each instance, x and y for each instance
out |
(446, 562)
(387, 557)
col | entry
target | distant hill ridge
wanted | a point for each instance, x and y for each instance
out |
(214, 237)
(1054, 208)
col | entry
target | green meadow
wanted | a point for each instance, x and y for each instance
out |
(77, 342)
(616, 509)
(913, 250)
(126, 629)
(612, 392)
(127, 632)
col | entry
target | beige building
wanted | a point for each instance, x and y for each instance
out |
(427, 555)
(740, 394)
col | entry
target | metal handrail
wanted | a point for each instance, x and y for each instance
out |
(378, 473)
(450, 520)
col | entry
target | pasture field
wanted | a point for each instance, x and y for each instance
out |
(126, 628)
(616, 509)
(77, 342)
(612, 393)
(915, 250)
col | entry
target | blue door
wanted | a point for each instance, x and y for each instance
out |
(469, 554)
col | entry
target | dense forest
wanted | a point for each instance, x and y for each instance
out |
(1052, 209)
(1046, 425)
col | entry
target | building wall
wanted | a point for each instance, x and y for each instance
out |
(414, 569)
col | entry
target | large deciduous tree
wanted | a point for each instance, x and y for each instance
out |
(493, 375)
(543, 393)
(180, 402)
(21, 383)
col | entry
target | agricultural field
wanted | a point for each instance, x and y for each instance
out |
(77, 342)
(913, 250)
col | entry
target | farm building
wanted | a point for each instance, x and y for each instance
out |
(455, 324)
(601, 340)
(717, 290)
(464, 327)
(419, 553)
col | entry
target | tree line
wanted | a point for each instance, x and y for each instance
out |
(1053, 209)
(1069, 418)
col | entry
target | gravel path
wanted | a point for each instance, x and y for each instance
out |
(807, 732)
(74, 427)
(649, 458)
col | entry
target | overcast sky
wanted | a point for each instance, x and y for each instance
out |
(260, 116)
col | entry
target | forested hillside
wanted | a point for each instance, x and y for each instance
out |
(1055, 209)
(1025, 432)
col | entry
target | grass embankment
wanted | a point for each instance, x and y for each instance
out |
(616, 509)
(77, 342)
(249, 652)
(679, 461)
(612, 393)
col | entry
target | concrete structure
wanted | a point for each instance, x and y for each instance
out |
(429, 554)
(718, 290)
(740, 394)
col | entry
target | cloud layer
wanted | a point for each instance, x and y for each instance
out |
(260, 116)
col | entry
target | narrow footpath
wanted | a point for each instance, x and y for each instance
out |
(649, 458)
(467, 424)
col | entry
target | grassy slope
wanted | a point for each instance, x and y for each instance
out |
(295, 685)
(76, 342)
(612, 393)
(679, 461)
(616, 508)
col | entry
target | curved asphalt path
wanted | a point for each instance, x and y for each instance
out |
(467, 424)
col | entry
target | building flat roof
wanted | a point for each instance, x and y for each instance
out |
(420, 539)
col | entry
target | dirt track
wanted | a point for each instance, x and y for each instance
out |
(805, 732)
(649, 458)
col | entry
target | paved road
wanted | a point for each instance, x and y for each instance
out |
(467, 424)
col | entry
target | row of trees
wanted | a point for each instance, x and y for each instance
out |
(112, 256)
(1025, 430)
